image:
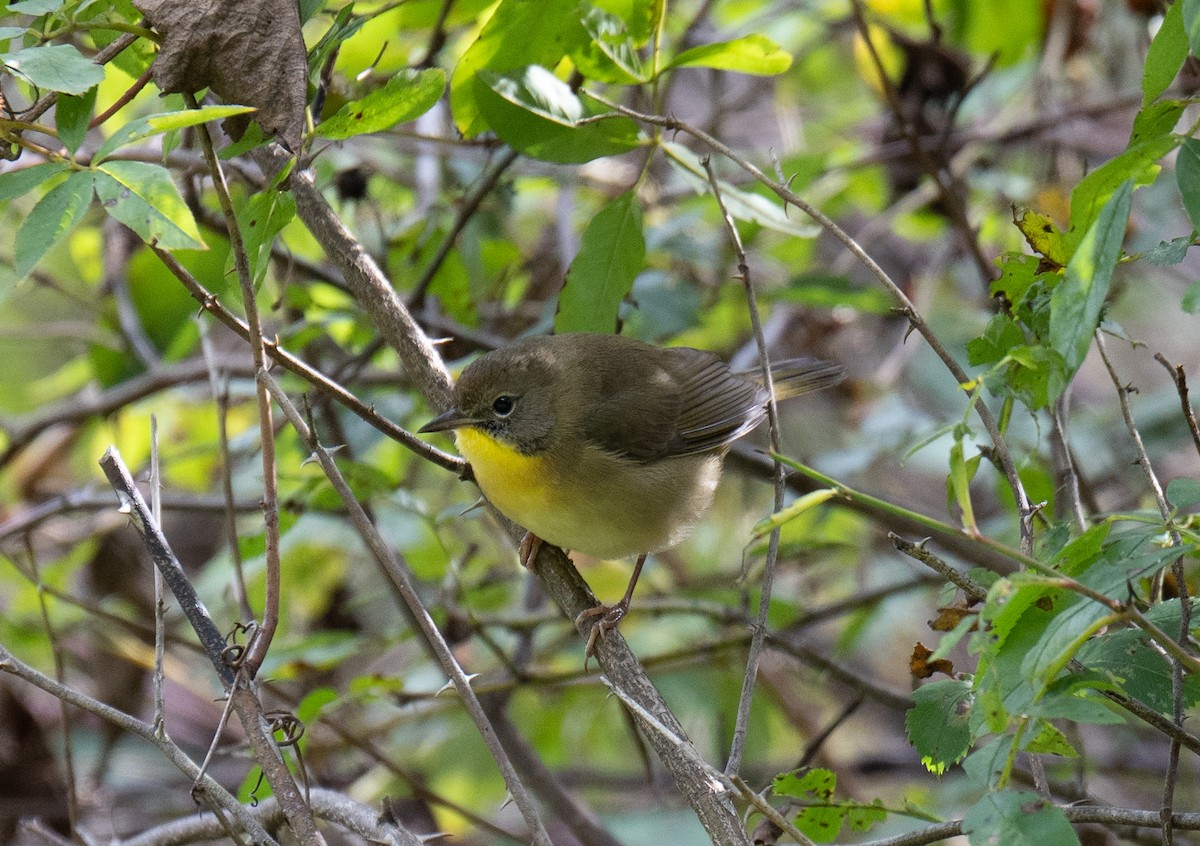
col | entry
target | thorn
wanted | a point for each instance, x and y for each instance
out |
(479, 503)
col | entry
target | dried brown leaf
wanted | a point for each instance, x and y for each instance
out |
(250, 52)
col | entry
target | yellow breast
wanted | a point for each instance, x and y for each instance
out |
(517, 484)
(592, 501)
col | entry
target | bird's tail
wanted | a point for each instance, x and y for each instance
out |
(797, 376)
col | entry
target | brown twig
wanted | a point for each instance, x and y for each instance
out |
(742, 721)
(244, 701)
(399, 572)
(213, 792)
(1179, 377)
(257, 649)
(320, 381)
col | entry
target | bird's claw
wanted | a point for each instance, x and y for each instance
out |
(610, 616)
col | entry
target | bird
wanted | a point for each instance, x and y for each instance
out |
(605, 444)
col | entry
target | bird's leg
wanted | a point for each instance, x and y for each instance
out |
(609, 615)
(528, 550)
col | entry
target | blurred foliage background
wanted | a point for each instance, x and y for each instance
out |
(476, 190)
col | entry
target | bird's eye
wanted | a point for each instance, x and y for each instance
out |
(503, 405)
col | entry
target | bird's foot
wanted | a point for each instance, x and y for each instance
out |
(528, 550)
(609, 616)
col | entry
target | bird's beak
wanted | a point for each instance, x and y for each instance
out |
(452, 419)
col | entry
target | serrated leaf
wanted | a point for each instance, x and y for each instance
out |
(407, 95)
(743, 205)
(938, 724)
(144, 197)
(56, 67)
(51, 220)
(1017, 818)
(753, 54)
(142, 128)
(1187, 177)
(1001, 335)
(1166, 55)
(14, 183)
(1077, 301)
(1126, 658)
(610, 257)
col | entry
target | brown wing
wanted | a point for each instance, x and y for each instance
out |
(717, 405)
(633, 400)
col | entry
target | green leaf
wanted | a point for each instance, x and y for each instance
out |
(35, 7)
(51, 220)
(1000, 336)
(1076, 303)
(1095, 189)
(535, 112)
(260, 220)
(986, 765)
(539, 91)
(1191, 24)
(1166, 55)
(1050, 741)
(518, 34)
(72, 114)
(56, 67)
(1172, 252)
(144, 197)
(1156, 121)
(601, 276)
(14, 183)
(743, 205)
(1126, 658)
(610, 55)
(792, 511)
(407, 95)
(1017, 818)
(820, 816)
(1191, 298)
(754, 54)
(1183, 492)
(1043, 237)
(938, 724)
(1187, 177)
(806, 784)
(142, 128)
(958, 483)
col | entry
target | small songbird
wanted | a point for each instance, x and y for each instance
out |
(605, 444)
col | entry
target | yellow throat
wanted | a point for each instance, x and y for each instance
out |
(517, 484)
